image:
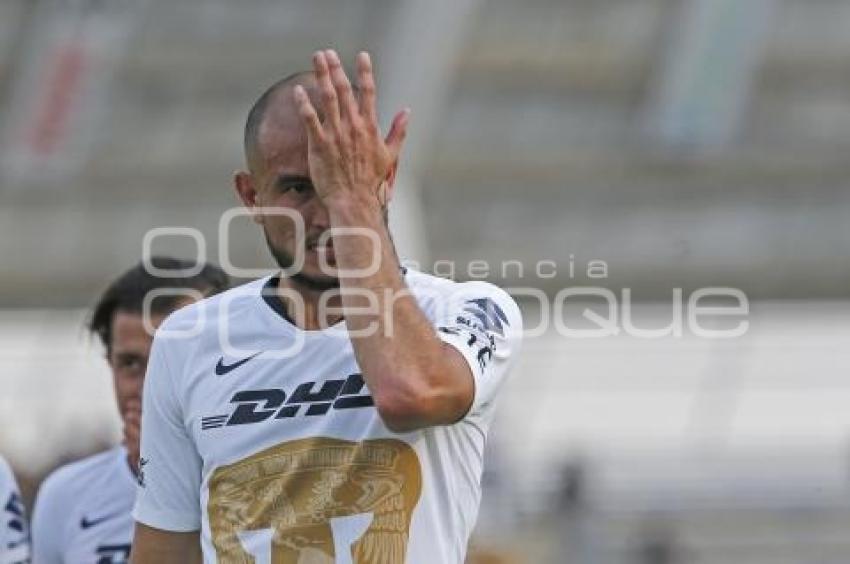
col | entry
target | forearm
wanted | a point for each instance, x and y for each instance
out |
(414, 380)
(155, 546)
(395, 345)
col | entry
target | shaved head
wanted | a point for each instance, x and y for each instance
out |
(274, 112)
(279, 177)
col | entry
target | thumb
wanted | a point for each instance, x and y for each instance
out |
(398, 131)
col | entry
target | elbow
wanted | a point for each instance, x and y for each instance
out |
(404, 411)
(401, 424)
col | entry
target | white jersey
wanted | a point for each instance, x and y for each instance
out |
(83, 512)
(14, 533)
(277, 457)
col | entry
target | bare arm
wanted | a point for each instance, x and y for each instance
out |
(155, 546)
(415, 379)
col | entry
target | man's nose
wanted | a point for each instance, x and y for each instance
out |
(318, 218)
(133, 389)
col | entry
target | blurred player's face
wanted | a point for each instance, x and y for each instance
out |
(128, 359)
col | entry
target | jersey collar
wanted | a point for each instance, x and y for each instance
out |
(271, 298)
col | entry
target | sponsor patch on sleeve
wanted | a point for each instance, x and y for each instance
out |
(479, 322)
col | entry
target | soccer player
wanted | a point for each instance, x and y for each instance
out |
(337, 410)
(14, 533)
(83, 510)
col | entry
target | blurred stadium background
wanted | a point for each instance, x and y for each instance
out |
(686, 143)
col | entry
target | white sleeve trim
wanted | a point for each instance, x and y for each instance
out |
(458, 342)
(167, 520)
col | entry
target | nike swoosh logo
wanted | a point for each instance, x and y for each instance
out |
(221, 369)
(86, 523)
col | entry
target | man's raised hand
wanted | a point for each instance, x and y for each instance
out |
(348, 158)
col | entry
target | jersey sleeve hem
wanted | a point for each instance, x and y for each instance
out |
(484, 324)
(458, 343)
(167, 520)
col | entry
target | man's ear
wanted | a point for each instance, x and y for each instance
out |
(243, 182)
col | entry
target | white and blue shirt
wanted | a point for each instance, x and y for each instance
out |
(14, 533)
(83, 512)
(264, 437)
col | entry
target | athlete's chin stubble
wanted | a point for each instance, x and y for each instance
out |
(285, 261)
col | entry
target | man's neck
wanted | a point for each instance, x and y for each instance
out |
(307, 307)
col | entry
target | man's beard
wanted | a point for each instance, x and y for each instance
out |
(318, 283)
(285, 261)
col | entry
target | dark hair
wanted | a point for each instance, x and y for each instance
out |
(127, 293)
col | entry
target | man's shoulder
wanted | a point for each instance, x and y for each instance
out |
(428, 285)
(75, 476)
(207, 314)
(7, 478)
(478, 302)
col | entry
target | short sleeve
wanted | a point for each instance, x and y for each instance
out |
(168, 496)
(49, 521)
(484, 324)
(14, 533)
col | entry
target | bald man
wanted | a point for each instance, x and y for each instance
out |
(336, 410)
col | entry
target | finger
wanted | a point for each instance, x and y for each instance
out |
(344, 92)
(398, 131)
(307, 113)
(330, 104)
(366, 83)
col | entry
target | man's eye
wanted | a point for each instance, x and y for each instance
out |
(297, 187)
(130, 363)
